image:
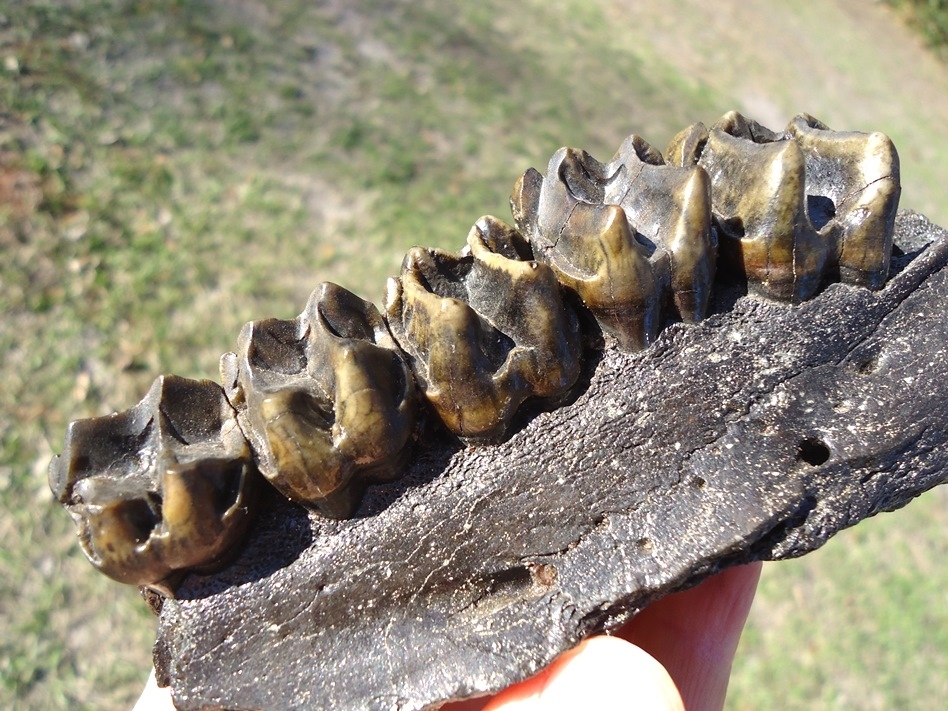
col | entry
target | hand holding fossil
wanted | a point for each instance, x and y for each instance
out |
(676, 654)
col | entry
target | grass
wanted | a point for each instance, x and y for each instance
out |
(930, 17)
(172, 169)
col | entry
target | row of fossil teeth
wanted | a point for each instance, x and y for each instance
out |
(330, 401)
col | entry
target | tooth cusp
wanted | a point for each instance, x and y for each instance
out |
(326, 399)
(161, 489)
(797, 209)
(626, 236)
(484, 330)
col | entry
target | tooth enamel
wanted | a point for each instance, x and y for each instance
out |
(484, 330)
(160, 489)
(797, 209)
(622, 235)
(858, 173)
(327, 400)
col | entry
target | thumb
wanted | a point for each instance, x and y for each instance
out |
(604, 673)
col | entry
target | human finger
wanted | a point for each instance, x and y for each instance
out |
(154, 697)
(603, 673)
(694, 634)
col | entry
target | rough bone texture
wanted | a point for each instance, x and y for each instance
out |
(756, 434)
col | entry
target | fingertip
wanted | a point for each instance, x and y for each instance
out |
(605, 673)
(695, 633)
(154, 697)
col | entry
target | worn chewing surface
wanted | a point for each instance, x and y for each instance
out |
(757, 434)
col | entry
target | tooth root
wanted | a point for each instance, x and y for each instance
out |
(160, 489)
(852, 193)
(328, 400)
(484, 330)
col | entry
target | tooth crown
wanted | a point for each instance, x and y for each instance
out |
(328, 402)
(484, 330)
(797, 209)
(853, 188)
(162, 488)
(626, 236)
(326, 399)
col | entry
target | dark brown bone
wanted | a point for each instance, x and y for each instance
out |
(757, 434)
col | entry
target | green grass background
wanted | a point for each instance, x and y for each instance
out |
(172, 169)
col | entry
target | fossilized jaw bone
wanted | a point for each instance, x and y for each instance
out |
(484, 330)
(163, 488)
(626, 236)
(797, 209)
(326, 399)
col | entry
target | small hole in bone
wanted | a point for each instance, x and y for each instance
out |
(544, 574)
(868, 365)
(820, 209)
(813, 451)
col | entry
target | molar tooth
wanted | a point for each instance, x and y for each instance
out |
(484, 330)
(622, 235)
(797, 209)
(592, 249)
(671, 206)
(161, 489)
(759, 209)
(852, 188)
(327, 400)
